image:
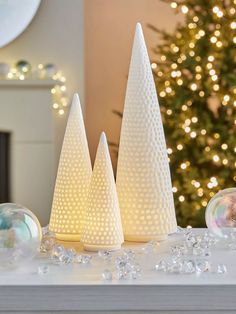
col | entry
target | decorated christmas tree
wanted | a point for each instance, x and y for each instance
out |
(195, 74)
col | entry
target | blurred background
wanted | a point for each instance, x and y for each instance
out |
(50, 49)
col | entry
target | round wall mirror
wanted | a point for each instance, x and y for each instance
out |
(15, 16)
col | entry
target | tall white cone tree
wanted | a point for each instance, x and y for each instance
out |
(102, 227)
(143, 175)
(73, 179)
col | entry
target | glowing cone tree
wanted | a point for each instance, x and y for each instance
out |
(73, 178)
(143, 175)
(102, 227)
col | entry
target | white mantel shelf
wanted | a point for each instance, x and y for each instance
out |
(29, 83)
(79, 288)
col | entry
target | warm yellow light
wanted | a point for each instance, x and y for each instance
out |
(187, 122)
(233, 25)
(214, 77)
(213, 39)
(224, 146)
(195, 18)
(198, 68)
(219, 44)
(225, 161)
(207, 148)
(191, 45)
(173, 5)
(198, 76)
(55, 106)
(179, 146)
(204, 203)
(174, 66)
(212, 72)
(191, 53)
(215, 9)
(194, 119)
(216, 158)
(21, 77)
(193, 134)
(216, 135)
(201, 32)
(154, 66)
(163, 58)
(63, 88)
(10, 75)
(181, 198)
(216, 87)
(174, 189)
(40, 66)
(168, 90)
(219, 14)
(183, 165)
(203, 132)
(184, 108)
(187, 129)
(193, 86)
(211, 58)
(53, 90)
(217, 33)
(201, 93)
(162, 94)
(180, 82)
(209, 65)
(234, 40)
(169, 112)
(61, 112)
(226, 98)
(184, 9)
(169, 151)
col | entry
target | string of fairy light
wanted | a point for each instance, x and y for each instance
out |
(59, 91)
(177, 76)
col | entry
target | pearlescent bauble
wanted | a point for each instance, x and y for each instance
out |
(221, 213)
(23, 66)
(20, 235)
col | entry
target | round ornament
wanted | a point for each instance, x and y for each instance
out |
(50, 70)
(20, 235)
(23, 66)
(221, 213)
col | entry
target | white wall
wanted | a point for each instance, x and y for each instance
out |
(56, 36)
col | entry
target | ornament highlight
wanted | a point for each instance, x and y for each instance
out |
(102, 228)
(73, 178)
(221, 213)
(20, 235)
(143, 175)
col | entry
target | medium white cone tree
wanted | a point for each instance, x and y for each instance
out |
(143, 175)
(102, 227)
(73, 179)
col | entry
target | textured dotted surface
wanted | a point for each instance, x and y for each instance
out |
(143, 174)
(103, 222)
(73, 177)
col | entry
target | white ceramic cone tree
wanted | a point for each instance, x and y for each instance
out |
(102, 227)
(73, 179)
(143, 175)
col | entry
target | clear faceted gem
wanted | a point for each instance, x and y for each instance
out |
(43, 269)
(107, 274)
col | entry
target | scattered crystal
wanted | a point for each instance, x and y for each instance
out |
(104, 254)
(232, 246)
(161, 266)
(43, 269)
(221, 269)
(174, 268)
(107, 274)
(188, 267)
(202, 266)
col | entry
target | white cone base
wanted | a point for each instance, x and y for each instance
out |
(95, 248)
(146, 238)
(68, 237)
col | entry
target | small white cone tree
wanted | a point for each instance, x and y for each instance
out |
(73, 179)
(102, 227)
(143, 175)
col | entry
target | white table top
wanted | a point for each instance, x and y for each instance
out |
(84, 287)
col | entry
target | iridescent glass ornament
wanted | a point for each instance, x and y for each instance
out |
(221, 213)
(20, 235)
